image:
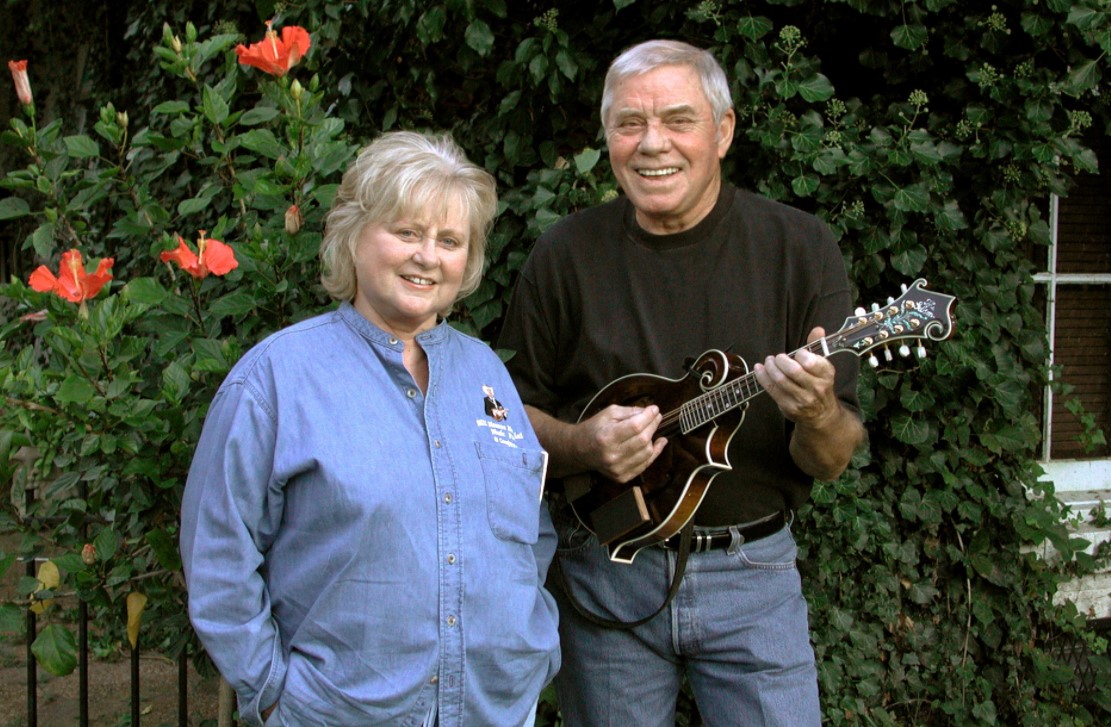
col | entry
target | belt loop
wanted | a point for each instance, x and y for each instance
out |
(736, 540)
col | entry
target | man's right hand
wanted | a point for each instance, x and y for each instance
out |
(618, 442)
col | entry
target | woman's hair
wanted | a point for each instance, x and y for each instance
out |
(403, 174)
(652, 54)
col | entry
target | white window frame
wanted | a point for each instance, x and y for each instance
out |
(1077, 474)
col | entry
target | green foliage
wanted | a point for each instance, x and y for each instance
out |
(929, 144)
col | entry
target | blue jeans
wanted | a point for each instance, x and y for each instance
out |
(737, 630)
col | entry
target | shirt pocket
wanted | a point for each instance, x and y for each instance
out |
(513, 479)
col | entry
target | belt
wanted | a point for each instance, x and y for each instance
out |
(704, 540)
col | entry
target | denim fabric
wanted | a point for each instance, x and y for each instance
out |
(364, 551)
(737, 630)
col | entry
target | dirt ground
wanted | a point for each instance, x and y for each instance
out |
(109, 686)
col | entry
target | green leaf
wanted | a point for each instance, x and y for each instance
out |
(914, 198)
(1083, 77)
(909, 36)
(215, 107)
(81, 147)
(233, 304)
(165, 549)
(107, 543)
(12, 620)
(805, 185)
(258, 115)
(479, 37)
(586, 159)
(145, 291)
(816, 88)
(76, 389)
(754, 28)
(263, 142)
(175, 381)
(170, 107)
(13, 207)
(55, 649)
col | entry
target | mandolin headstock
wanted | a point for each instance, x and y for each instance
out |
(917, 314)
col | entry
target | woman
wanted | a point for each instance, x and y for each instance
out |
(363, 544)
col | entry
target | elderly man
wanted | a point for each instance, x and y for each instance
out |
(682, 263)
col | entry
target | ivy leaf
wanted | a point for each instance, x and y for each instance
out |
(805, 185)
(479, 37)
(910, 261)
(55, 649)
(909, 36)
(586, 159)
(914, 198)
(1083, 77)
(910, 429)
(816, 88)
(754, 28)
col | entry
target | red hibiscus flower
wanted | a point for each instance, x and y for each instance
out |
(212, 256)
(276, 55)
(72, 282)
(22, 84)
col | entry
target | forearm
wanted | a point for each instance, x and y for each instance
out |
(823, 450)
(560, 439)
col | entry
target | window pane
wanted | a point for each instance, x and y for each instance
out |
(1081, 349)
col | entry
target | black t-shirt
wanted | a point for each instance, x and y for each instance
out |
(601, 298)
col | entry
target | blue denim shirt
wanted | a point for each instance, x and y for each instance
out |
(361, 550)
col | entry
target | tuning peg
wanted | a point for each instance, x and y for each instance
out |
(887, 354)
(921, 351)
(859, 311)
(890, 300)
(873, 361)
(904, 350)
(875, 307)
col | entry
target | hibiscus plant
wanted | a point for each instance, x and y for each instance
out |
(117, 342)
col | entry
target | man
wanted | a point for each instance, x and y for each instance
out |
(681, 264)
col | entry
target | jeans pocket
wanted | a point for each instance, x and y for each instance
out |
(775, 552)
(513, 477)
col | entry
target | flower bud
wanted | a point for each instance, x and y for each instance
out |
(121, 119)
(175, 43)
(88, 554)
(295, 90)
(293, 219)
(22, 83)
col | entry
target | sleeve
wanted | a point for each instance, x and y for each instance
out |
(230, 511)
(528, 332)
(833, 306)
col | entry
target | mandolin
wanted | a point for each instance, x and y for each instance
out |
(704, 409)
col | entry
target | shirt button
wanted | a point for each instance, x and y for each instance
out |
(437, 444)
(451, 559)
(435, 679)
(448, 498)
(450, 620)
(393, 340)
(410, 393)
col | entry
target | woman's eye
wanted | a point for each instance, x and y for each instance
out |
(408, 235)
(450, 242)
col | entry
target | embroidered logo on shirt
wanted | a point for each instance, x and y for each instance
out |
(492, 406)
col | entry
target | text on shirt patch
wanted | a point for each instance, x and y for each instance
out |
(501, 433)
